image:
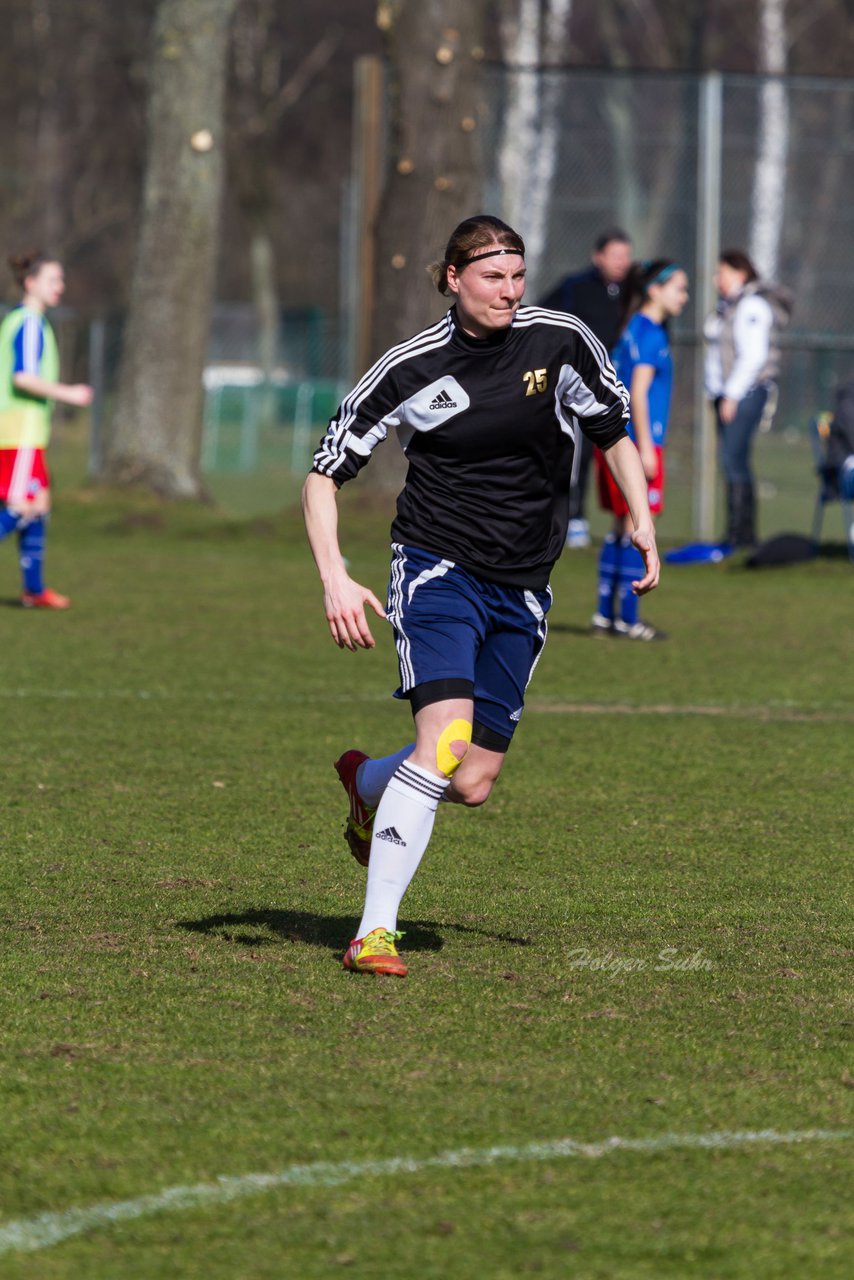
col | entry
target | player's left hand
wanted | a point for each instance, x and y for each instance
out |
(644, 540)
(345, 602)
(649, 461)
(727, 409)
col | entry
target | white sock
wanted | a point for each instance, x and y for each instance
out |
(373, 776)
(402, 829)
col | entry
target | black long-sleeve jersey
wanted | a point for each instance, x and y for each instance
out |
(489, 428)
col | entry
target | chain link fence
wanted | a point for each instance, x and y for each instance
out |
(676, 160)
(259, 430)
(636, 150)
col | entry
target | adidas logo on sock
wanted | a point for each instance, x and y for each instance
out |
(443, 401)
(392, 835)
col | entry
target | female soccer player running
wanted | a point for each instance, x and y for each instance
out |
(487, 405)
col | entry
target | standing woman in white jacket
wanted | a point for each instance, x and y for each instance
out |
(742, 361)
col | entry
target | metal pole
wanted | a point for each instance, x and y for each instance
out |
(210, 436)
(345, 365)
(303, 420)
(367, 178)
(708, 252)
(248, 456)
(97, 350)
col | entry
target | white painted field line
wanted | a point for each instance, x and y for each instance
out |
(28, 1235)
(775, 714)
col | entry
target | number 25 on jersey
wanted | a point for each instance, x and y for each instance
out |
(535, 380)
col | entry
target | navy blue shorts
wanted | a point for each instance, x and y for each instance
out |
(458, 636)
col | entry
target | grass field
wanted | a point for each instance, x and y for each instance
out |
(646, 934)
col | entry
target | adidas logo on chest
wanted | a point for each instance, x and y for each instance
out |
(434, 405)
(443, 401)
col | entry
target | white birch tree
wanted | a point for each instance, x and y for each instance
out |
(769, 181)
(533, 33)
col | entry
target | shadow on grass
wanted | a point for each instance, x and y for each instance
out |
(263, 927)
(568, 629)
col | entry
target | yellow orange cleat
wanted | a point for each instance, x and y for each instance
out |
(375, 953)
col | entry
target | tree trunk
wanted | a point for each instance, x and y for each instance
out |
(156, 436)
(434, 171)
(46, 147)
(434, 174)
(265, 301)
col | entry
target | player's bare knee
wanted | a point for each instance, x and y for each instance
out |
(472, 791)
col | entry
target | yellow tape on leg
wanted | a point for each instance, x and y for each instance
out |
(446, 761)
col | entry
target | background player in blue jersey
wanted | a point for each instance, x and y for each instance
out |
(488, 404)
(657, 292)
(597, 296)
(29, 383)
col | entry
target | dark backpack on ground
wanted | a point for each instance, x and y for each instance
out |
(782, 549)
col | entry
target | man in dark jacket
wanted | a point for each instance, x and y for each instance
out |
(840, 442)
(840, 451)
(596, 297)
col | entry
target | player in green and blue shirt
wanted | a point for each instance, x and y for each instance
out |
(29, 382)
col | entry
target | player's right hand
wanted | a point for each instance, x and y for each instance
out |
(345, 602)
(644, 540)
(80, 394)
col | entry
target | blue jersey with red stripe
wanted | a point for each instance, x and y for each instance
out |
(646, 342)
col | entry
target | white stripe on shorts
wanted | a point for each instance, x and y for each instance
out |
(401, 641)
(438, 571)
(396, 605)
(542, 630)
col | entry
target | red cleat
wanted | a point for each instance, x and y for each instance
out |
(360, 819)
(46, 599)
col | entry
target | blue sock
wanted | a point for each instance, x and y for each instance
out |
(8, 522)
(31, 543)
(609, 568)
(632, 567)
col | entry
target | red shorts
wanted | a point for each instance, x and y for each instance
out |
(23, 472)
(611, 496)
